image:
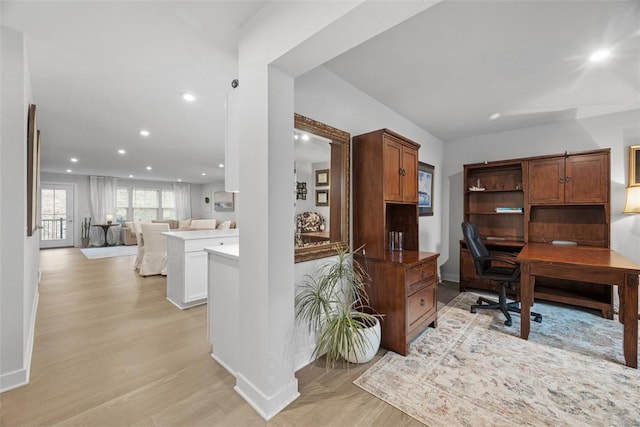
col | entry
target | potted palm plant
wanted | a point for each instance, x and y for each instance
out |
(334, 304)
(86, 226)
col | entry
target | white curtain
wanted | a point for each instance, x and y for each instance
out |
(103, 203)
(182, 195)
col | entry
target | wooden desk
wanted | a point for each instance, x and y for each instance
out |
(583, 263)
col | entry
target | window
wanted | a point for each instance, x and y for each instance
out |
(144, 204)
(168, 205)
(122, 204)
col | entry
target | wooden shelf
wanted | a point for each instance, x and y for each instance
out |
(494, 191)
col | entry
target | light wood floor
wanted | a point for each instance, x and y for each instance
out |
(110, 350)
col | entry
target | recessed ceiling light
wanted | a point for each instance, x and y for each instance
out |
(203, 173)
(144, 132)
(73, 159)
(149, 168)
(599, 55)
(179, 179)
(69, 170)
(494, 116)
(130, 176)
(221, 165)
(122, 152)
(189, 97)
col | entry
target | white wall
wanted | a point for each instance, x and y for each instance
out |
(19, 254)
(615, 131)
(199, 202)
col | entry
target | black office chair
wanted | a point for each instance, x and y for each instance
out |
(505, 276)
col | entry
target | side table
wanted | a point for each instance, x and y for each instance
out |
(105, 228)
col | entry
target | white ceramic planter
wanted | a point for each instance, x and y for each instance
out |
(372, 340)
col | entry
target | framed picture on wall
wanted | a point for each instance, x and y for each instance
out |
(322, 197)
(634, 165)
(33, 172)
(322, 177)
(223, 201)
(425, 189)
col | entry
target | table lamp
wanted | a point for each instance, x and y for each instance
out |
(632, 202)
(109, 219)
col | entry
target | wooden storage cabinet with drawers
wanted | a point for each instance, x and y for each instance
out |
(559, 197)
(404, 288)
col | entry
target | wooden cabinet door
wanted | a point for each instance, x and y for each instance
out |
(587, 179)
(546, 181)
(392, 170)
(409, 175)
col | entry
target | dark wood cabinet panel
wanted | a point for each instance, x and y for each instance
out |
(587, 178)
(546, 181)
(400, 169)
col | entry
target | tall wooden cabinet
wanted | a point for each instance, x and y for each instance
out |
(385, 198)
(561, 198)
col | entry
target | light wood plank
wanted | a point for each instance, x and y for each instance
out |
(110, 350)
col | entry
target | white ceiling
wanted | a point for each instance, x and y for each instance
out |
(101, 71)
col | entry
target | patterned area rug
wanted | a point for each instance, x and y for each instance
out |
(110, 251)
(474, 371)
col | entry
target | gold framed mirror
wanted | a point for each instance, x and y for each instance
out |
(322, 169)
(634, 165)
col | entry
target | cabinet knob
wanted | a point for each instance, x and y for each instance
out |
(422, 274)
(422, 302)
(400, 171)
(567, 178)
(562, 180)
(221, 243)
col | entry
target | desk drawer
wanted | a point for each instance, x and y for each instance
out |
(421, 303)
(421, 274)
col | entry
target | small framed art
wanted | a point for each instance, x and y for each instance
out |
(322, 178)
(322, 197)
(425, 189)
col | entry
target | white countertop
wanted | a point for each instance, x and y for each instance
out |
(225, 251)
(201, 234)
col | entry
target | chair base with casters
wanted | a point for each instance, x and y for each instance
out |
(502, 305)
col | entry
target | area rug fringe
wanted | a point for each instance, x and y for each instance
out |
(473, 371)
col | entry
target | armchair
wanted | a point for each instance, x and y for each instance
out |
(500, 269)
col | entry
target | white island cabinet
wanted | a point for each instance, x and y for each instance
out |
(187, 263)
(224, 303)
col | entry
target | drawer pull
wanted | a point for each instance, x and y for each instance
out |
(422, 274)
(422, 302)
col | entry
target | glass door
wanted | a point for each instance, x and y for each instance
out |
(56, 223)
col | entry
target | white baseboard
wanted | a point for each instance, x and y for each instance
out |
(20, 377)
(266, 406)
(451, 277)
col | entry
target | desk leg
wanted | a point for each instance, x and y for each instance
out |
(526, 299)
(629, 316)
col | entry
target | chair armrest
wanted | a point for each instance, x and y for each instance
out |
(506, 261)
